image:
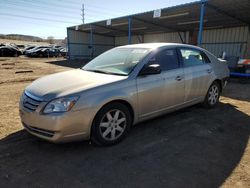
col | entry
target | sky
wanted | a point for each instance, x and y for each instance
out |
(45, 18)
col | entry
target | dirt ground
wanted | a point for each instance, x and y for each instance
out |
(193, 147)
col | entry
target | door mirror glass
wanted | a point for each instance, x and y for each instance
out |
(149, 69)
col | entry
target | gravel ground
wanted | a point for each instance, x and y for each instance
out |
(193, 147)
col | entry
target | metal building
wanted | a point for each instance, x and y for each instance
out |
(216, 25)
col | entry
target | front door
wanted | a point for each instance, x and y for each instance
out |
(157, 93)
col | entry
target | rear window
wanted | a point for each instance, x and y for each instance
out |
(192, 57)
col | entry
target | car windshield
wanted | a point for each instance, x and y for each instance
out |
(118, 61)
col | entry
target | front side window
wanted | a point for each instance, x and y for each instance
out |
(192, 57)
(167, 59)
(119, 61)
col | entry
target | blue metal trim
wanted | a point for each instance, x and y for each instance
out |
(94, 44)
(129, 30)
(68, 44)
(105, 35)
(239, 74)
(201, 21)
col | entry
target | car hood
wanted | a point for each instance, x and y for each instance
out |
(69, 82)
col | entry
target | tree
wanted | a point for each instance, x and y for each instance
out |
(51, 40)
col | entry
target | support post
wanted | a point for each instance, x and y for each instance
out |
(68, 45)
(201, 21)
(91, 42)
(129, 30)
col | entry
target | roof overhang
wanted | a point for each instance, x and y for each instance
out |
(181, 18)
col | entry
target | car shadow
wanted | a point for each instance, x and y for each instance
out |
(70, 63)
(193, 147)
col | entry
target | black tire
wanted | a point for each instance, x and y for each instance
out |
(97, 131)
(209, 102)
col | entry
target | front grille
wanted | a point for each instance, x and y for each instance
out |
(30, 103)
(40, 131)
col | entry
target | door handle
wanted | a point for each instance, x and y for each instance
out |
(209, 71)
(178, 78)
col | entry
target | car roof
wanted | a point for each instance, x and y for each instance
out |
(158, 45)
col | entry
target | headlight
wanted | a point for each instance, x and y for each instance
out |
(63, 104)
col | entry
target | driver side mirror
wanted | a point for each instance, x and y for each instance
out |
(150, 69)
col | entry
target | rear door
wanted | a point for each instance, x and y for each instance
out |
(197, 72)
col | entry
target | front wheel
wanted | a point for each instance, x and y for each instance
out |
(213, 95)
(111, 124)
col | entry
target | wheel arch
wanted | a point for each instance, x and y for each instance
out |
(121, 101)
(219, 82)
(124, 102)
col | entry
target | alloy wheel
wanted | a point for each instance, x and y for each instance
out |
(213, 95)
(113, 124)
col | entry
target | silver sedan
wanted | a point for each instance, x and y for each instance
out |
(119, 88)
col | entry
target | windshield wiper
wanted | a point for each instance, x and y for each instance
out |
(104, 72)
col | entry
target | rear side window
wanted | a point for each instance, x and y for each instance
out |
(167, 59)
(192, 57)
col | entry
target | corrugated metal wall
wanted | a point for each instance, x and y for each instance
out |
(75, 47)
(80, 42)
(164, 37)
(161, 37)
(119, 41)
(234, 41)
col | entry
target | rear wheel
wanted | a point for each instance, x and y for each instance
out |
(213, 95)
(111, 124)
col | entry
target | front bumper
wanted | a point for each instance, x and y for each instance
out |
(57, 127)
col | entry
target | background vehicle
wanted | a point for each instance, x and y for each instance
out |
(63, 52)
(236, 64)
(119, 88)
(27, 52)
(27, 48)
(9, 51)
(44, 52)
